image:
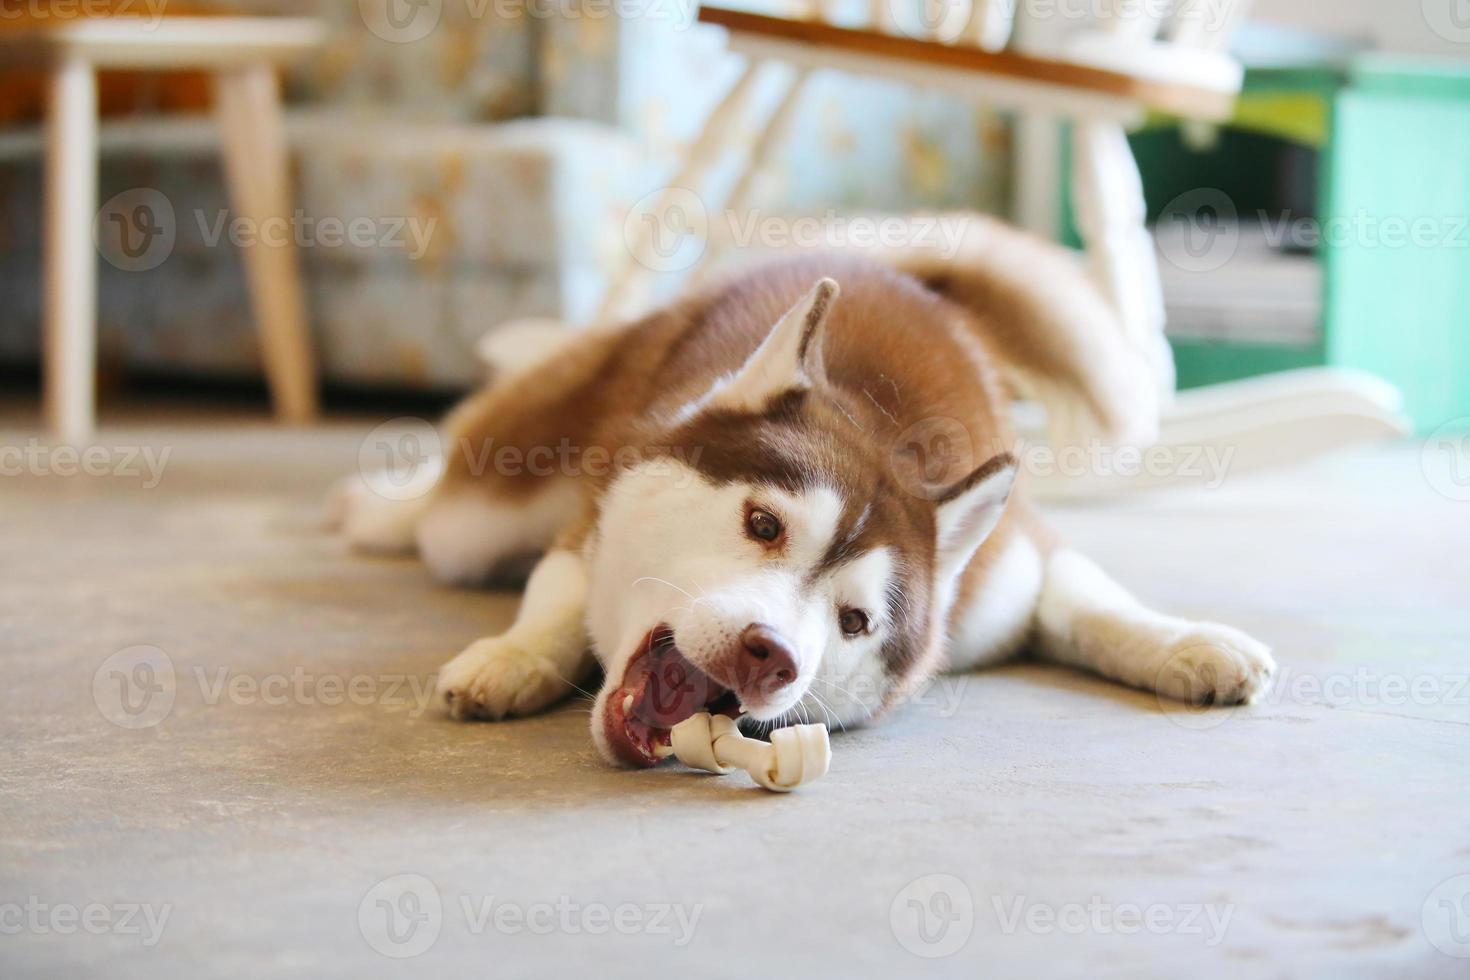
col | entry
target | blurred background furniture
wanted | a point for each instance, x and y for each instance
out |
(1101, 82)
(496, 155)
(241, 54)
(1335, 227)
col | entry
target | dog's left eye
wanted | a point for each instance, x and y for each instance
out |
(853, 621)
(762, 525)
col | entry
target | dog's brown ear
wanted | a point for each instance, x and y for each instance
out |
(969, 509)
(789, 358)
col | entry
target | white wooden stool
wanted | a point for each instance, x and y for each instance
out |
(243, 53)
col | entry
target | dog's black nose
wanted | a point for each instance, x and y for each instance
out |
(769, 664)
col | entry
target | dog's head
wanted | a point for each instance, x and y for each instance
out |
(778, 569)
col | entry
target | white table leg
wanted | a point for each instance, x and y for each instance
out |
(70, 256)
(1107, 196)
(257, 171)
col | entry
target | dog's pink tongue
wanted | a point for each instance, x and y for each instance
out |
(674, 690)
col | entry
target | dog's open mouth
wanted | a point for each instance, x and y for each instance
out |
(660, 688)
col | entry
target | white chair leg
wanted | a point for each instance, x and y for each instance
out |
(1038, 174)
(1209, 26)
(70, 256)
(772, 136)
(947, 20)
(1135, 22)
(257, 171)
(1107, 198)
(991, 22)
(880, 16)
(629, 290)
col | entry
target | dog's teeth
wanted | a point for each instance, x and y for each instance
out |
(627, 704)
(662, 751)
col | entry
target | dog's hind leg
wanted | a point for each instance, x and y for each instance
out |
(378, 514)
(1085, 619)
(473, 533)
(515, 457)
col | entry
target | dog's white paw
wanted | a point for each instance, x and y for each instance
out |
(499, 678)
(1213, 664)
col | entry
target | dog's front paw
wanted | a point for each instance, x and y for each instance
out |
(498, 678)
(1214, 664)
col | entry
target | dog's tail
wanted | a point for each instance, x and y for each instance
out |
(1058, 340)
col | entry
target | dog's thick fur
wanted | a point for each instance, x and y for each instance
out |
(861, 405)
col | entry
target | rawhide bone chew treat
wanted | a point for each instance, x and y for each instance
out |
(793, 756)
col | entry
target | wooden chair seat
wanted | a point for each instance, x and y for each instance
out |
(822, 45)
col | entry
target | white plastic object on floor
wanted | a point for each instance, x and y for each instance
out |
(794, 756)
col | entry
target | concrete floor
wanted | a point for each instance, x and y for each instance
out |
(1024, 822)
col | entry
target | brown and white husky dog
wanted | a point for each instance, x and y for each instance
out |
(789, 498)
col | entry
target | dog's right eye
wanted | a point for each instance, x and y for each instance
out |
(762, 525)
